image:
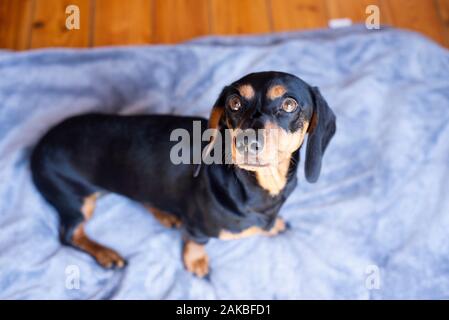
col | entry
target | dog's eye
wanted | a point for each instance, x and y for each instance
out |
(234, 103)
(289, 105)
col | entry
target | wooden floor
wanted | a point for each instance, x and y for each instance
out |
(27, 24)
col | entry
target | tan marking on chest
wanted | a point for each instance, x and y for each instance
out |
(195, 259)
(274, 178)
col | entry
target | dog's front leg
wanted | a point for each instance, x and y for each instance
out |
(166, 219)
(195, 258)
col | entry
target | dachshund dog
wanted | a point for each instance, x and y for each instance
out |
(86, 156)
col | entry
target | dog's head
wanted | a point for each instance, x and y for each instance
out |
(267, 115)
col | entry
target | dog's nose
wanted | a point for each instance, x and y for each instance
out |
(249, 143)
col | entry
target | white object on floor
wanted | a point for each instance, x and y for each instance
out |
(339, 23)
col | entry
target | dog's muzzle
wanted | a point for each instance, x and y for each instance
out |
(250, 145)
(249, 148)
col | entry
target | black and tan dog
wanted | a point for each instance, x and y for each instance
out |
(88, 155)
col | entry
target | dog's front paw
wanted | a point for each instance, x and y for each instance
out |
(108, 258)
(279, 226)
(195, 259)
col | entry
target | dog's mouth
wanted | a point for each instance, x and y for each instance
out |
(252, 166)
(256, 165)
(253, 153)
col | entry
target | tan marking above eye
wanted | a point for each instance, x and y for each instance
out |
(276, 91)
(246, 91)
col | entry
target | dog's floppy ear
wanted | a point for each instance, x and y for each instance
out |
(216, 118)
(215, 122)
(321, 130)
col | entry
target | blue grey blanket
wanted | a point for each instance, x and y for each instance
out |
(376, 225)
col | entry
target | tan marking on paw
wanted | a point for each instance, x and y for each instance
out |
(195, 259)
(109, 258)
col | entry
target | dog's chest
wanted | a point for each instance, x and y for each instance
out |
(238, 203)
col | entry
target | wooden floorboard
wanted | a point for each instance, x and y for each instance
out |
(119, 22)
(354, 10)
(240, 16)
(48, 26)
(15, 24)
(26, 24)
(179, 20)
(443, 8)
(418, 15)
(298, 14)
